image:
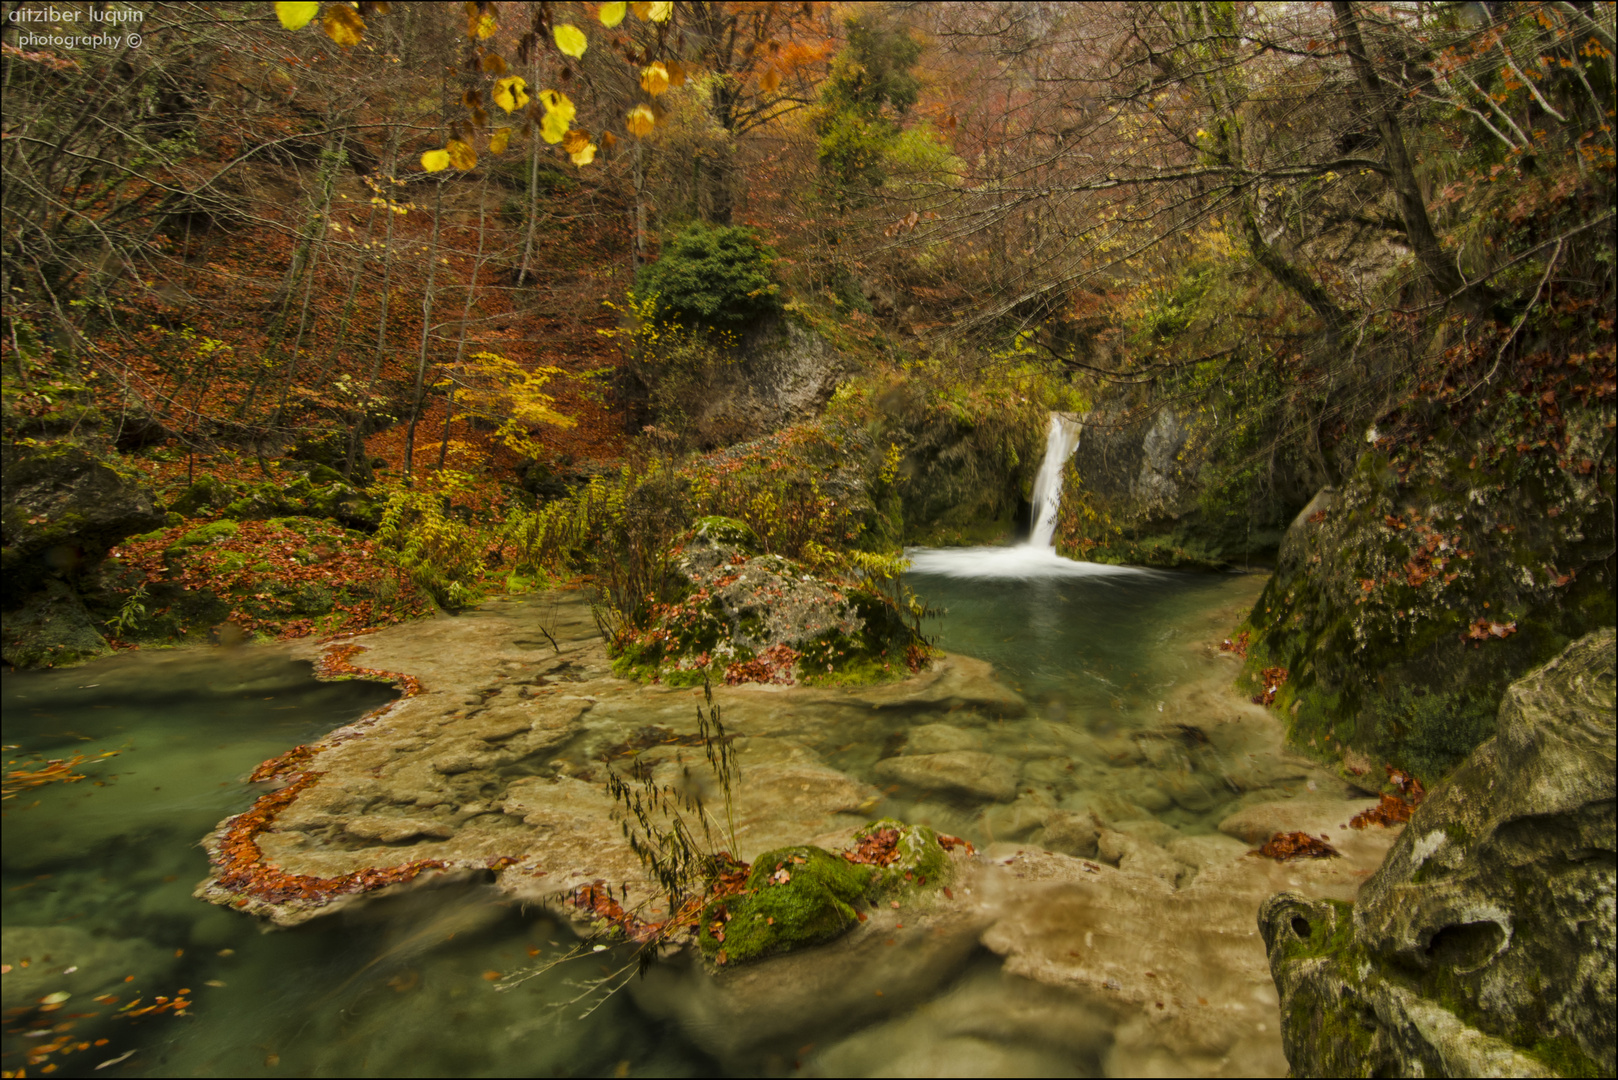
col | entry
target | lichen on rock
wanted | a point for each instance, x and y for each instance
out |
(1485, 943)
(745, 616)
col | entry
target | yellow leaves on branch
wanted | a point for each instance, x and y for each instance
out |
(479, 24)
(559, 113)
(640, 121)
(498, 139)
(654, 78)
(296, 16)
(343, 25)
(612, 14)
(494, 386)
(570, 40)
(512, 93)
(456, 153)
(579, 147)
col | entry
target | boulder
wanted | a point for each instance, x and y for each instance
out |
(52, 628)
(983, 775)
(64, 509)
(1485, 943)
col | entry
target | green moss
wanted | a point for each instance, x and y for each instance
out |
(206, 534)
(796, 897)
(922, 864)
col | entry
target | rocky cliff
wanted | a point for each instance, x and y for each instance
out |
(1484, 946)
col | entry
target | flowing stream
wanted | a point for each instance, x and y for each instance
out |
(1114, 662)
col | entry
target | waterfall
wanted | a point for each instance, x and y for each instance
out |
(1060, 441)
(1036, 558)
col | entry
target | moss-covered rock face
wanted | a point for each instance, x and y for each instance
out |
(763, 618)
(1484, 946)
(1141, 490)
(51, 628)
(63, 509)
(1407, 599)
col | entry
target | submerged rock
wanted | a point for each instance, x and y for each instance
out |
(1485, 943)
(986, 776)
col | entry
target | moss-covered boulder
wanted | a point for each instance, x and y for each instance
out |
(1484, 946)
(51, 628)
(796, 896)
(801, 896)
(63, 509)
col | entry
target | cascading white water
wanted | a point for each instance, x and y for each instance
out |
(1036, 557)
(1060, 442)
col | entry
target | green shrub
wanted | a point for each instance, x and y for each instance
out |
(713, 276)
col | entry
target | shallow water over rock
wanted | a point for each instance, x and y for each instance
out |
(1082, 733)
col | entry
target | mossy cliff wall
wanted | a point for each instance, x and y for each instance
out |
(1407, 599)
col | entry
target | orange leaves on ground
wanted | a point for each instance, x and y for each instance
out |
(1238, 646)
(1393, 810)
(1271, 679)
(880, 848)
(1297, 845)
(773, 665)
(1488, 630)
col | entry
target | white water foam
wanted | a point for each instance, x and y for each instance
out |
(1037, 558)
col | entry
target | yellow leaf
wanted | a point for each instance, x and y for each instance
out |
(343, 25)
(640, 121)
(770, 80)
(511, 93)
(296, 16)
(655, 78)
(660, 12)
(435, 160)
(641, 10)
(498, 140)
(494, 64)
(571, 40)
(461, 155)
(611, 14)
(557, 103)
(575, 140)
(676, 74)
(554, 128)
(584, 155)
(481, 26)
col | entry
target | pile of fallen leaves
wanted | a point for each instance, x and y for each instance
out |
(1298, 845)
(1238, 646)
(773, 665)
(1271, 679)
(259, 568)
(1393, 809)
